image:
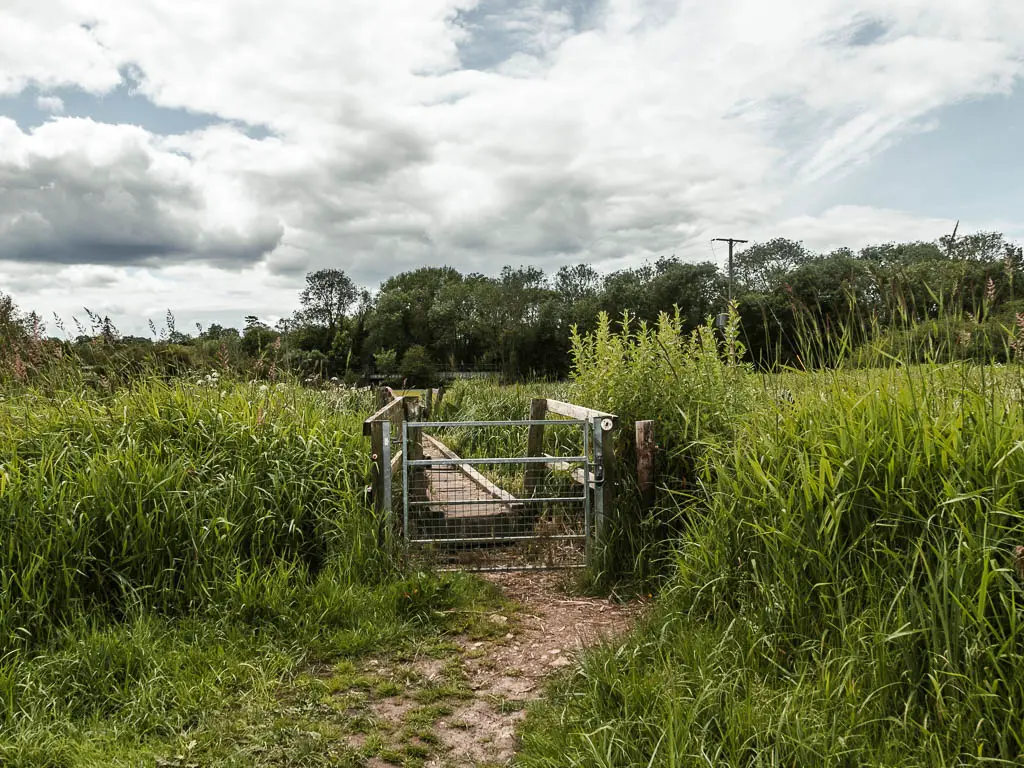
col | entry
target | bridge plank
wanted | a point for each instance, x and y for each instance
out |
(473, 474)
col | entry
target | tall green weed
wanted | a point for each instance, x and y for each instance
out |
(696, 389)
(848, 590)
(160, 494)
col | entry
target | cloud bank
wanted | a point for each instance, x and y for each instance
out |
(470, 133)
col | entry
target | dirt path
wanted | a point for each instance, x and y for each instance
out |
(461, 708)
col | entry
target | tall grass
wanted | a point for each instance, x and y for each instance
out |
(164, 493)
(847, 590)
(696, 389)
(176, 548)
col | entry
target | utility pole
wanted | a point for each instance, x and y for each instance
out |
(731, 241)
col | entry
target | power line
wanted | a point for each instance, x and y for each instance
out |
(731, 241)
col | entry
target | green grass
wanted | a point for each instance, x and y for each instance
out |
(845, 589)
(174, 554)
(836, 555)
(171, 496)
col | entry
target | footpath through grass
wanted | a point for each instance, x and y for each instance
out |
(190, 574)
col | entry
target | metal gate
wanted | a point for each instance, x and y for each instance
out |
(500, 495)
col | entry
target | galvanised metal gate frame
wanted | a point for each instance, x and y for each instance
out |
(405, 416)
(450, 508)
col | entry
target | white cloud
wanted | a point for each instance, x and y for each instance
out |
(48, 43)
(51, 104)
(76, 191)
(855, 227)
(657, 124)
(132, 297)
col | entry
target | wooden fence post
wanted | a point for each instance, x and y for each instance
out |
(428, 403)
(645, 461)
(383, 397)
(534, 476)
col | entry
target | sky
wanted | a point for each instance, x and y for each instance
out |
(204, 156)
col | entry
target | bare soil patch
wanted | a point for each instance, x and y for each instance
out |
(461, 710)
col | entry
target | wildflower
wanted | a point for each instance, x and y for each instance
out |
(1017, 345)
(18, 366)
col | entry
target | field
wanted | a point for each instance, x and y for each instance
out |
(192, 575)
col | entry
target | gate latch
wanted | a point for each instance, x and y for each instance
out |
(598, 475)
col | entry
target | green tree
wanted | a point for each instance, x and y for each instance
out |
(386, 362)
(762, 267)
(402, 313)
(417, 366)
(327, 297)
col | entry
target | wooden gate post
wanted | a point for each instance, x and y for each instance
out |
(534, 476)
(645, 461)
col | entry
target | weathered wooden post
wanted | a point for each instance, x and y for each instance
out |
(535, 473)
(645, 449)
(383, 397)
(428, 406)
(378, 427)
(415, 411)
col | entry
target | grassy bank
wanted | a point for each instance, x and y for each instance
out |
(174, 553)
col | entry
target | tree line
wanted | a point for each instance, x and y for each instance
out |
(421, 323)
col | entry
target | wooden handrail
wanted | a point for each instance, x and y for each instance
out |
(578, 473)
(384, 414)
(572, 411)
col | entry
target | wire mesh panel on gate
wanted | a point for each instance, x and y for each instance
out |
(473, 499)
